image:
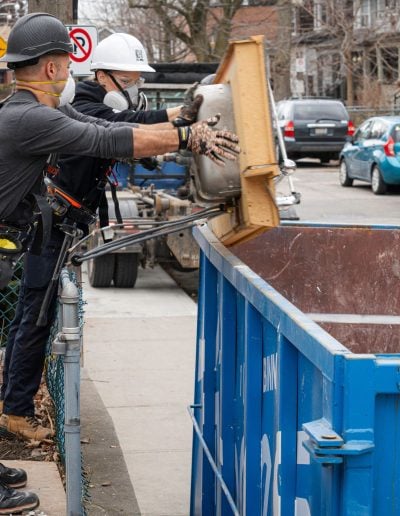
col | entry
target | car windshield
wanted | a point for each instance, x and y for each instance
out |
(320, 111)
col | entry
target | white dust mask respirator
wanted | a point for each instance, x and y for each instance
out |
(125, 98)
(68, 93)
(66, 96)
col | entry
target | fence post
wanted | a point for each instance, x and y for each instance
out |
(68, 343)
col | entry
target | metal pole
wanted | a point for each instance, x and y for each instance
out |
(68, 343)
(75, 11)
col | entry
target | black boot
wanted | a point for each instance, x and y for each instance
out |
(12, 477)
(14, 502)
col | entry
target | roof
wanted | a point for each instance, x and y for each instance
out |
(179, 73)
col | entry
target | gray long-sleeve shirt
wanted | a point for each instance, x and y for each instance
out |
(30, 131)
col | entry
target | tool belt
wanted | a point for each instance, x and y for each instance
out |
(64, 206)
(13, 243)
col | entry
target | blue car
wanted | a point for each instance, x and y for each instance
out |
(373, 154)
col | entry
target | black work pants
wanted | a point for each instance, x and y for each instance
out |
(26, 344)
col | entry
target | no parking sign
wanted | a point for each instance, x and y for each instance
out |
(84, 41)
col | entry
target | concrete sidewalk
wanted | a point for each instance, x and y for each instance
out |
(44, 480)
(139, 355)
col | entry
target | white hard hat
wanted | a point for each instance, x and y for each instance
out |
(120, 52)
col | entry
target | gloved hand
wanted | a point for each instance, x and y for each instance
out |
(150, 163)
(202, 139)
(190, 108)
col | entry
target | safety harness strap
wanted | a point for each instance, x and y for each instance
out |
(44, 224)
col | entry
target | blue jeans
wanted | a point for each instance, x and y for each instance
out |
(26, 344)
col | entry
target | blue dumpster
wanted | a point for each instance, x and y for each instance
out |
(297, 382)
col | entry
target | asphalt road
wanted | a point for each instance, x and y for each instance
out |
(324, 200)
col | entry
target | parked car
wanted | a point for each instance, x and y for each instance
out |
(314, 128)
(373, 154)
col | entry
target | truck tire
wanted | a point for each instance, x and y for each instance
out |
(126, 270)
(101, 271)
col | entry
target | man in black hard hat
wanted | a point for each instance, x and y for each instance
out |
(37, 121)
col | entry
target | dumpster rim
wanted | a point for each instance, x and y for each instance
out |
(235, 271)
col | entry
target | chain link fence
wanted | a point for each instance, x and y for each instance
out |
(8, 303)
(54, 366)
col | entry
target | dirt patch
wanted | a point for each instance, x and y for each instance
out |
(16, 449)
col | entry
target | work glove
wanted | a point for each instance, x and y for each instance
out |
(190, 108)
(150, 163)
(216, 144)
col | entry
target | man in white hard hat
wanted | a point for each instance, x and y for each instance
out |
(38, 121)
(114, 95)
(118, 62)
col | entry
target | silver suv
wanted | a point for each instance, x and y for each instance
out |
(314, 128)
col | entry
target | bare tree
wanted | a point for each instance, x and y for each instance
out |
(203, 27)
(62, 9)
(11, 10)
(282, 50)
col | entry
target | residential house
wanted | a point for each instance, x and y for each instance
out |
(347, 49)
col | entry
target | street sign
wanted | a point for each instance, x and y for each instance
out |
(84, 41)
(3, 46)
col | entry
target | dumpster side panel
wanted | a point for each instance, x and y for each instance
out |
(204, 387)
(257, 387)
(295, 423)
(225, 378)
(387, 455)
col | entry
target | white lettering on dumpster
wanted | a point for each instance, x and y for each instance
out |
(266, 462)
(240, 477)
(270, 371)
(302, 507)
(270, 471)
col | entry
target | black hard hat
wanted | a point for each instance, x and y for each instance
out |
(33, 36)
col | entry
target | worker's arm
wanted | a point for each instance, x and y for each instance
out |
(174, 112)
(150, 142)
(200, 138)
(179, 116)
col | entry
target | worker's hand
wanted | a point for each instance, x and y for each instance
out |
(150, 163)
(214, 143)
(190, 108)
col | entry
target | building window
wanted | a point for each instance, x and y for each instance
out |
(303, 17)
(367, 13)
(320, 14)
(390, 64)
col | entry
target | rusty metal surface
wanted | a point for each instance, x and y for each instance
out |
(335, 271)
(185, 248)
(364, 338)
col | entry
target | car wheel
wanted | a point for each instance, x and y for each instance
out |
(126, 270)
(378, 185)
(101, 271)
(344, 178)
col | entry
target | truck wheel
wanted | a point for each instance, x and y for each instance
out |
(378, 185)
(101, 271)
(126, 270)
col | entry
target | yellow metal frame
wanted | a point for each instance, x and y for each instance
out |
(243, 68)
